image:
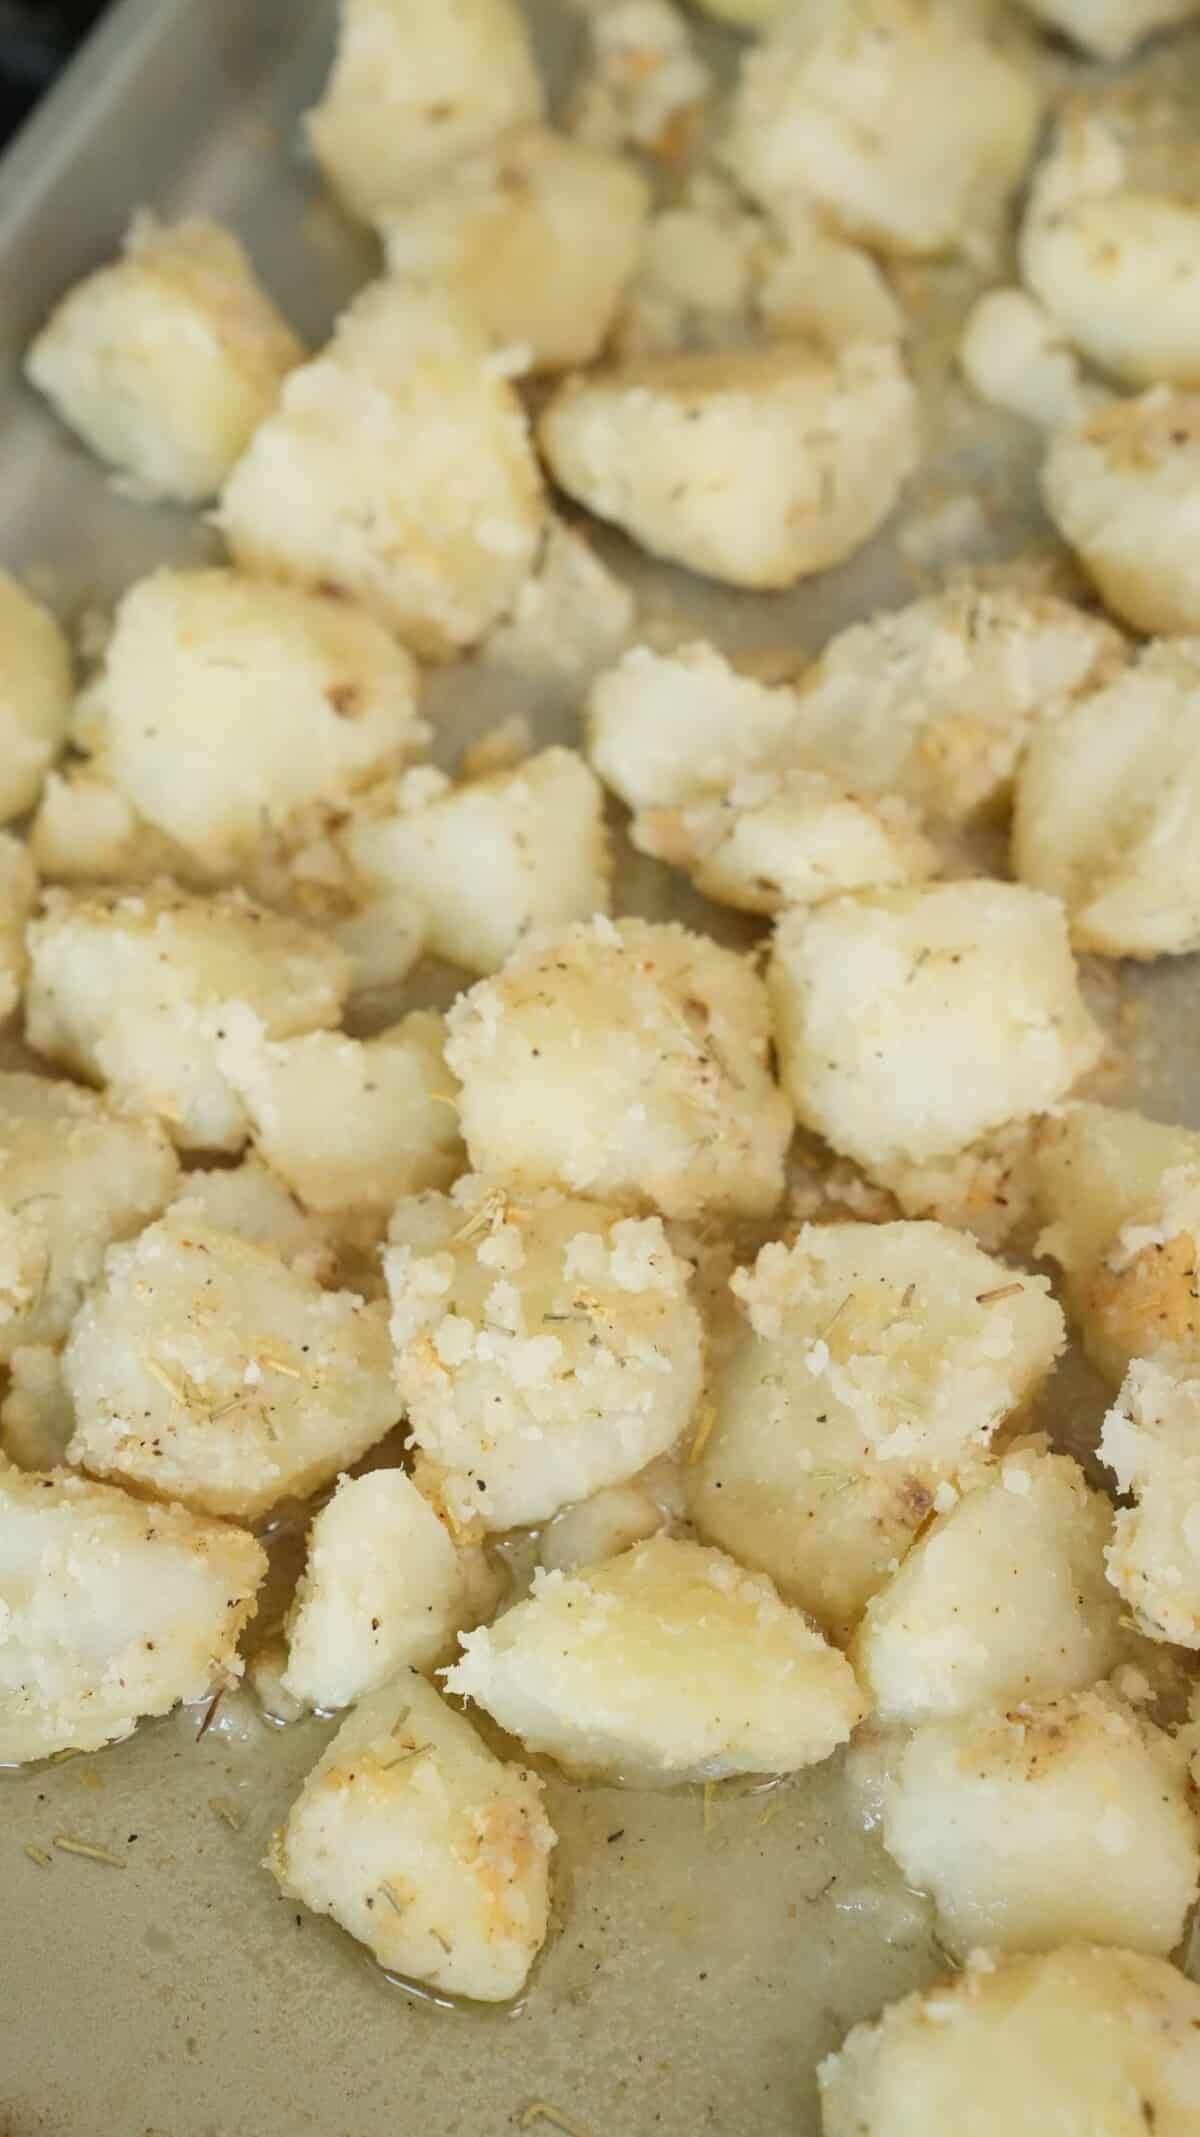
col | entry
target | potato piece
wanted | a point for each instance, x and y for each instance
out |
(164, 360)
(75, 1177)
(912, 1022)
(203, 1369)
(234, 711)
(546, 1348)
(1110, 28)
(110, 1611)
(936, 701)
(626, 1061)
(1055, 1823)
(539, 238)
(37, 1416)
(35, 696)
(571, 618)
(411, 93)
(397, 469)
(1120, 1196)
(779, 839)
(1123, 489)
(665, 729)
(603, 1526)
(86, 831)
(644, 84)
(1151, 1442)
(1111, 237)
(423, 1845)
(987, 1189)
(249, 1202)
(486, 861)
(1106, 800)
(757, 467)
(897, 117)
(664, 1665)
(350, 1124)
(135, 991)
(699, 274)
(818, 286)
(879, 1361)
(1079, 2039)
(1002, 1599)
(18, 897)
(1016, 356)
(384, 1588)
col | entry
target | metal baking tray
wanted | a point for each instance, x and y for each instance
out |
(706, 1951)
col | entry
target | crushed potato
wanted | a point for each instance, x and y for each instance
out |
(1057, 1823)
(912, 1022)
(625, 1060)
(203, 1369)
(423, 1845)
(591, 1671)
(546, 1347)
(1151, 1442)
(165, 360)
(1002, 1599)
(133, 991)
(110, 1610)
(1086, 2037)
(251, 1203)
(36, 683)
(878, 1362)
(1123, 489)
(1018, 357)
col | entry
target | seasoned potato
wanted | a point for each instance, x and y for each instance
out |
(484, 862)
(134, 991)
(1106, 800)
(86, 831)
(1094, 2040)
(699, 275)
(896, 117)
(74, 1178)
(936, 701)
(912, 1022)
(1003, 1598)
(111, 1610)
(350, 1124)
(35, 696)
(164, 360)
(626, 1061)
(1120, 1198)
(665, 729)
(539, 237)
(1110, 28)
(37, 1416)
(878, 1362)
(986, 1189)
(644, 85)
(250, 1202)
(1151, 1442)
(666, 1664)
(1016, 356)
(204, 1369)
(235, 711)
(818, 285)
(571, 618)
(384, 1588)
(1111, 238)
(422, 1844)
(758, 466)
(1055, 1823)
(546, 1347)
(411, 92)
(18, 897)
(779, 839)
(397, 469)
(1123, 489)
(609, 1522)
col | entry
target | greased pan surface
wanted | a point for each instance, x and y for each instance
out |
(704, 1955)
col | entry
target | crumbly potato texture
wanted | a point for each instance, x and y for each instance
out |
(397, 470)
(1017, 356)
(1046, 1824)
(1123, 488)
(627, 1061)
(669, 1663)
(912, 1022)
(36, 681)
(878, 1362)
(423, 1845)
(165, 360)
(666, 729)
(110, 1611)
(204, 1369)
(133, 992)
(1151, 1442)
(1085, 2037)
(546, 1347)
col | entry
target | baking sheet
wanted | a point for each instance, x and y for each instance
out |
(704, 1955)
